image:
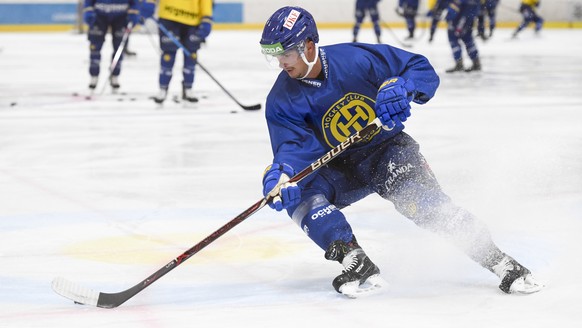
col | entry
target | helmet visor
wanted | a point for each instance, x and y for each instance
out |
(278, 58)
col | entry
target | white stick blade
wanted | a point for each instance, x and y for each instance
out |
(74, 292)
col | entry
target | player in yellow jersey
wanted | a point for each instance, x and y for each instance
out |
(190, 21)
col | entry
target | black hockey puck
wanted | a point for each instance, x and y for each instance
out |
(78, 303)
(12, 104)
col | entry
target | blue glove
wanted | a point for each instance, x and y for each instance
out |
(393, 101)
(204, 28)
(147, 9)
(275, 184)
(89, 16)
(133, 17)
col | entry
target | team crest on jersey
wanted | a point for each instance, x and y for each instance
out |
(347, 116)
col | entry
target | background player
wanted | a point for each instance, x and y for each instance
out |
(191, 23)
(408, 10)
(528, 11)
(460, 18)
(435, 12)
(370, 7)
(100, 16)
(488, 12)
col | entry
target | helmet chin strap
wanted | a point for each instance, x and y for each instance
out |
(308, 63)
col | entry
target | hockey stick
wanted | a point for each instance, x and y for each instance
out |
(188, 53)
(83, 295)
(118, 53)
(403, 44)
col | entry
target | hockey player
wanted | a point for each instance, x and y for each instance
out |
(488, 10)
(100, 16)
(460, 18)
(321, 97)
(528, 11)
(435, 13)
(408, 10)
(370, 7)
(191, 23)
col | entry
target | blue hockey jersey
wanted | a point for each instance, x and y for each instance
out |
(113, 7)
(306, 118)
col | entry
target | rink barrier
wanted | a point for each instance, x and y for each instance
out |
(64, 15)
(257, 26)
(25, 17)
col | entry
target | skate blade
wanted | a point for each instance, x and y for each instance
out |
(526, 285)
(371, 286)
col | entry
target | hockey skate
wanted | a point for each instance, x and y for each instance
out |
(360, 276)
(188, 95)
(114, 82)
(457, 68)
(515, 278)
(161, 96)
(93, 82)
(475, 67)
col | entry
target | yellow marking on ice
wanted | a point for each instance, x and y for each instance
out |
(139, 250)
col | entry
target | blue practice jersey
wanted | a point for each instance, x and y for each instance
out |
(113, 8)
(306, 118)
(468, 9)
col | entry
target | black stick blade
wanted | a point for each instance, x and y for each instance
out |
(253, 107)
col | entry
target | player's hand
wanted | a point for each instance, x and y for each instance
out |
(393, 101)
(276, 184)
(147, 9)
(204, 28)
(133, 17)
(89, 16)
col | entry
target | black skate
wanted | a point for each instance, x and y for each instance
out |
(515, 278)
(360, 276)
(114, 82)
(161, 96)
(93, 82)
(188, 95)
(457, 68)
(475, 67)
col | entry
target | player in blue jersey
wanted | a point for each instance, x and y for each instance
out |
(320, 98)
(370, 7)
(435, 13)
(460, 18)
(408, 10)
(530, 15)
(100, 16)
(488, 11)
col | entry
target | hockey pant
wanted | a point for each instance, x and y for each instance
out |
(370, 7)
(399, 173)
(96, 36)
(186, 34)
(464, 34)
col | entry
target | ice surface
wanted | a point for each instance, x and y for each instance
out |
(106, 192)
